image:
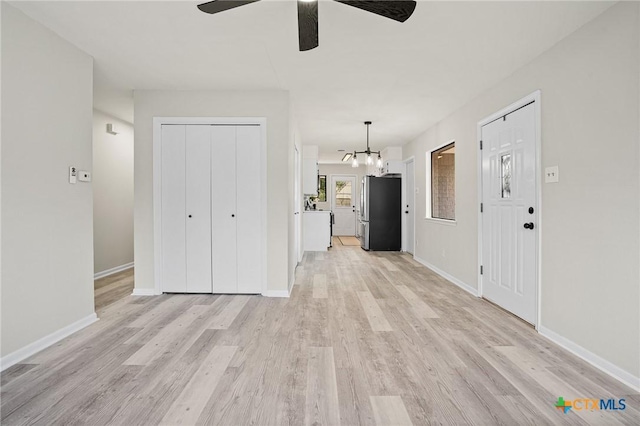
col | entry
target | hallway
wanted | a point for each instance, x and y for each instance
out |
(110, 289)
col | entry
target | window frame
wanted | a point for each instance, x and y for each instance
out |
(429, 185)
(320, 178)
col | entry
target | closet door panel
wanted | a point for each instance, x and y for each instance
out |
(198, 202)
(248, 232)
(173, 209)
(223, 203)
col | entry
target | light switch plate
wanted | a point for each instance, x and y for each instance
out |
(551, 174)
(84, 176)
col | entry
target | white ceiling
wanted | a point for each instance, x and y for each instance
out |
(403, 77)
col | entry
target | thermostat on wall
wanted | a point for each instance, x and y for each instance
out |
(84, 176)
(73, 174)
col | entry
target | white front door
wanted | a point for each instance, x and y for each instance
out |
(409, 208)
(509, 225)
(343, 204)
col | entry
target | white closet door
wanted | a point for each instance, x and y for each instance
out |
(248, 234)
(223, 203)
(173, 209)
(198, 208)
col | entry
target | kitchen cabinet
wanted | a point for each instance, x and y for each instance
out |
(310, 170)
(310, 176)
(393, 167)
(316, 230)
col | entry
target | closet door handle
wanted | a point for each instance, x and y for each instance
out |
(189, 215)
(233, 215)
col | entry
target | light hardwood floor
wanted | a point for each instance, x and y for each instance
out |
(365, 339)
(112, 288)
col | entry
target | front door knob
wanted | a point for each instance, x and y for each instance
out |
(528, 225)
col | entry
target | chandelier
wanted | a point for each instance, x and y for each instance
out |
(368, 152)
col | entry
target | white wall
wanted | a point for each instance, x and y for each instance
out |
(47, 239)
(274, 105)
(112, 193)
(590, 228)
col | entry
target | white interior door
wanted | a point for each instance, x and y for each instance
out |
(173, 157)
(209, 207)
(343, 204)
(198, 207)
(248, 220)
(223, 209)
(509, 225)
(409, 210)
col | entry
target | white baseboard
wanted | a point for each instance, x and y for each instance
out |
(593, 359)
(112, 271)
(466, 287)
(144, 292)
(276, 293)
(43, 343)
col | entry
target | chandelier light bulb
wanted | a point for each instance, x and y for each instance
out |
(379, 162)
(354, 163)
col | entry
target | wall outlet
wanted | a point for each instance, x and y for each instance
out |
(551, 174)
(73, 174)
(84, 176)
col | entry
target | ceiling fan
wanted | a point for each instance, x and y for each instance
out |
(398, 10)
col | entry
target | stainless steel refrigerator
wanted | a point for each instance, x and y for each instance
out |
(380, 213)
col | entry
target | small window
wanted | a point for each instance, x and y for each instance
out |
(505, 163)
(322, 188)
(343, 193)
(443, 182)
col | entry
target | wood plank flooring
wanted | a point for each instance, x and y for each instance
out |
(365, 339)
(112, 288)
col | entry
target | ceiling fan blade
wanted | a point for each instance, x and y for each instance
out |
(307, 24)
(398, 10)
(216, 6)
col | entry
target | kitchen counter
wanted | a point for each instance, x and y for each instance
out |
(316, 226)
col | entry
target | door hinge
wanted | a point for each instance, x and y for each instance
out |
(481, 207)
(480, 145)
(481, 270)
